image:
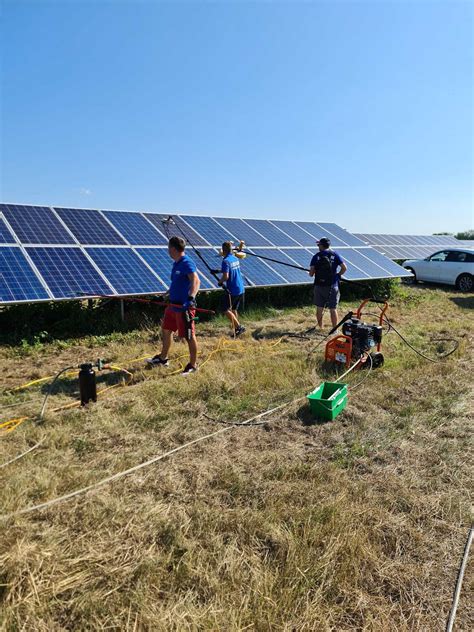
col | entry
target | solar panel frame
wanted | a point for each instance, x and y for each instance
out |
(68, 272)
(243, 231)
(90, 227)
(6, 235)
(159, 260)
(298, 234)
(30, 223)
(136, 229)
(215, 233)
(292, 275)
(317, 232)
(126, 271)
(341, 234)
(19, 281)
(275, 235)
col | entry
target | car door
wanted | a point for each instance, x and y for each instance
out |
(433, 269)
(455, 265)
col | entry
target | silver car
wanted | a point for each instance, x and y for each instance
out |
(452, 266)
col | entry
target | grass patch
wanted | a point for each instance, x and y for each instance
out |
(356, 524)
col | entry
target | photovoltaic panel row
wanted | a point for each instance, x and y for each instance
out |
(407, 240)
(271, 232)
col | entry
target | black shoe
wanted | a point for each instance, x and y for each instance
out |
(240, 330)
(188, 369)
(158, 361)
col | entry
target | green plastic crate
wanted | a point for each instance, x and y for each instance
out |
(328, 400)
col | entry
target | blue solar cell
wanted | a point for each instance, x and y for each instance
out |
(210, 230)
(125, 271)
(18, 281)
(375, 258)
(178, 228)
(68, 272)
(256, 272)
(89, 227)
(136, 229)
(271, 232)
(5, 235)
(292, 275)
(159, 260)
(243, 231)
(318, 232)
(295, 232)
(301, 256)
(342, 234)
(359, 268)
(36, 224)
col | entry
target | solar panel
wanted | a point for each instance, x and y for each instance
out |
(6, 236)
(159, 260)
(271, 232)
(356, 261)
(256, 272)
(125, 271)
(208, 227)
(408, 246)
(18, 281)
(243, 231)
(67, 272)
(340, 233)
(318, 232)
(137, 230)
(292, 275)
(295, 232)
(73, 253)
(36, 224)
(89, 227)
(177, 228)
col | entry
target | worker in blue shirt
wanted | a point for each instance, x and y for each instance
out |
(233, 284)
(183, 289)
(324, 268)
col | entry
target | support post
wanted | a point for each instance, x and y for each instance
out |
(122, 309)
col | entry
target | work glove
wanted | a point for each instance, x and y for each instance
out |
(189, 303)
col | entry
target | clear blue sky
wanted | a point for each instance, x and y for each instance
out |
(358, 113)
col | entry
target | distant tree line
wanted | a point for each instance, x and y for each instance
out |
(466, 234)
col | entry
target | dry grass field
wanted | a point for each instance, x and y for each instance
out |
(355, 524)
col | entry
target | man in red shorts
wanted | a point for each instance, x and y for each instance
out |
(183, 289)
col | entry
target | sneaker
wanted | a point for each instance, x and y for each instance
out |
(240, 330)
(158, 361)
(188, 369)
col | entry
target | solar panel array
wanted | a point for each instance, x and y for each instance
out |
(53, 253)
(409, 246)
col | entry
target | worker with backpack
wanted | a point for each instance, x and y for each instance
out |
(326, 267)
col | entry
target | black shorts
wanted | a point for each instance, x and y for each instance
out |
(231, 302)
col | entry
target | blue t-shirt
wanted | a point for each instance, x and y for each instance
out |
(180, 284)
(334, 258)
(235, 283)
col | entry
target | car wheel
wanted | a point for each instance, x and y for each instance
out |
(411, 280)
(465, 283)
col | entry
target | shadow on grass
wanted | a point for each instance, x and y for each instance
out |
(306, 417)
(70, 386)
(466, 302)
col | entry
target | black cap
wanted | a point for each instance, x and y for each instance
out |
(324, 241)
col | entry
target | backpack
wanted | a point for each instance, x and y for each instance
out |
(324, 274)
